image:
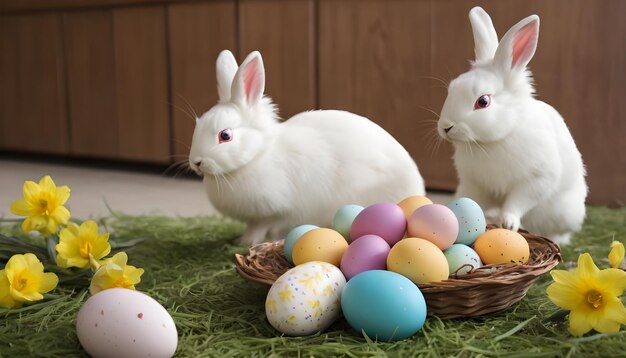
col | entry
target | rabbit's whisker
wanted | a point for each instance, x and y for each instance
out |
(438, 79)
(190, 107)
(429, 110)
(184, 111)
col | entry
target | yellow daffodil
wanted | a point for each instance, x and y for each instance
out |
(114, 272)
(591, 295)
(616, 256)
(76, 244)
(43, 206)
(26, 279)
(6, 300)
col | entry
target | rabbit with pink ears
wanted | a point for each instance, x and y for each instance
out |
(277, 175)
(513, 153)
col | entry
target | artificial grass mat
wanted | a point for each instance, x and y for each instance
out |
(190, 271)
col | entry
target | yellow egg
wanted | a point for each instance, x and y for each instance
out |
(411, 203)
(419, 260)
(501, 246)
(320, 244)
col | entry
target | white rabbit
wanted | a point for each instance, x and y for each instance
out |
(275, 176)
(513, 153)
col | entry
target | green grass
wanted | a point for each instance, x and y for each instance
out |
(189, 270)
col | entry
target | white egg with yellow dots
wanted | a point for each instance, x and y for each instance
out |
(306, 299)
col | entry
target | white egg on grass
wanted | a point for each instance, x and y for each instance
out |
(120, 322)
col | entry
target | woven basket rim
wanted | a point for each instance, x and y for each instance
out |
(500, 274)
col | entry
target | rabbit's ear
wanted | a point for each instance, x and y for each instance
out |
(485, 36)
(225, 69)
(249, 81)
(518, 45)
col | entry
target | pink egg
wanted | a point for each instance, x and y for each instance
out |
(384, 219)
(368, 252)
(435, 223)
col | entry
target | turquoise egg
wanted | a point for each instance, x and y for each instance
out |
(385, 305)
(461, 259)
(293, 236)
(471, 219)
(342, 222)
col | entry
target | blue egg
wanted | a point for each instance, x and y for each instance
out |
(293, 236)
(461, 259)
(385, 305)
(342, 222)
(471, 219)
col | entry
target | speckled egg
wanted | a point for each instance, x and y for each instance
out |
(319, 244)
(412, 203)
(461, 259)
(342, 222)
(501, 246)
(368, 252)
(294, 235)
(435, 223)
(471, 220)
(306, 299)
(384, 219)
(419, 260)
(120, 322)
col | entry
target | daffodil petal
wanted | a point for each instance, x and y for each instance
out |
(579, 323)
(564, 296)
(47, 184)
(20, 207)
(49, 282)
(61, 215)
(612, 281)
(133, 274)
(6, 300)
(63, 194)
(587, 269)
(33, 262)
(88, 228)
(16, 263)
(22, 297)
(120, 259)
(566, 278)
(616, 256)
(30, 191)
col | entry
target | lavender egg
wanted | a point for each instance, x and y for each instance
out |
(384, 219)
(368, 252)
(435, 223)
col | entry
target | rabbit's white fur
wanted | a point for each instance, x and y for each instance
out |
(275, 176)
(516, 157)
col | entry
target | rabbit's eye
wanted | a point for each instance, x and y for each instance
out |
(225, 135)
(482, 102)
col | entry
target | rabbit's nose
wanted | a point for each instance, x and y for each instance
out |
(448, 129)
(197, 163)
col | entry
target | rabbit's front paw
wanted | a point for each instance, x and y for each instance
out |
(510, 221)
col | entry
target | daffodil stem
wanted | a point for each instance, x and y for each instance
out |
(52, 244)
(95, 265)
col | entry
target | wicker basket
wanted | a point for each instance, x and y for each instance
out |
(489, 289)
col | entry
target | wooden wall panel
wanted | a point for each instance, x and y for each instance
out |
(142, 80)
(197, 34)
(92, 83)
(284, 32)
(32, 86)
(374, 62)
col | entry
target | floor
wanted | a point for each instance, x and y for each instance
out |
(95, 190)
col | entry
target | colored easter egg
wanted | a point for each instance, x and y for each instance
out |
(384, 219)
(342, 221)
(293, 236)
(368, 252)
(319, 244)
(471, 220)
(412, 203)
(383, 304)
(501, 246)
(435, 223)
(305, 299)
(461, 259)
(419, 260)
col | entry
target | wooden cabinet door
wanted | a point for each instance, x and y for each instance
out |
(198, 32)
(118, 83)
(32, 87)
(284, 33)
